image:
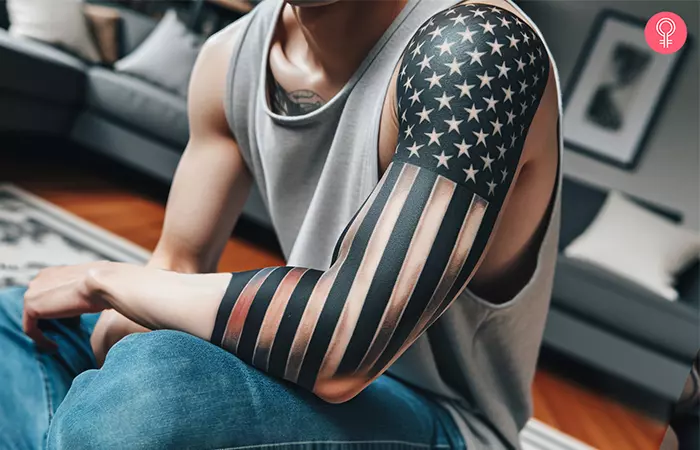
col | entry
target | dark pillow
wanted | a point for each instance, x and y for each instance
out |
(4, 17)
(688, 285)
(580, 203)
(105, 24)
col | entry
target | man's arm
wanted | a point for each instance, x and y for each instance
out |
(212, 182)
(210, 186)
(470, 82)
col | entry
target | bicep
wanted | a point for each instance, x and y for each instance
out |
(211, 182)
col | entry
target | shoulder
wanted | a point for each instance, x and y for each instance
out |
(208, 82)
(214, 58)
(469, 84)
(220, 45)
(464, 26)
(488, 44)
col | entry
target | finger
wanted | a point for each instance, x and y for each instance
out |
(61, 302)
(99, 359)
(31, 328)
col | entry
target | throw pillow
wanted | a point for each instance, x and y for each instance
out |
(60, 23)
(166, 57)
(104, 23)
(633, 242)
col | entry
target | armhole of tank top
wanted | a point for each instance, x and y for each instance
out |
(230, 71)
(551, 212)
(553, 65)
(560, 107)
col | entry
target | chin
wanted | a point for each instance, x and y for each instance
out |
(310, 3)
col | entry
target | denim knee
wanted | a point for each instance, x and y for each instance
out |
(11, 304)
(12, 293)
(149, 394)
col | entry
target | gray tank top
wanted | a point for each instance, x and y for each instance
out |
(315, 171)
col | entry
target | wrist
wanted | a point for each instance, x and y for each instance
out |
(95, 283)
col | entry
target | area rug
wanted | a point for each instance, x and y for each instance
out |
(35, 234)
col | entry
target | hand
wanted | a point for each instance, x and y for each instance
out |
(57, 293)
(110, 329)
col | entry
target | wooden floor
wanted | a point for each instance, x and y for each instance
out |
(123, 206)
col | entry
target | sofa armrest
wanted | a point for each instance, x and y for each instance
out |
(39, 70)
(621, 306)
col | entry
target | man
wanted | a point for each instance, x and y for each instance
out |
(408, 153)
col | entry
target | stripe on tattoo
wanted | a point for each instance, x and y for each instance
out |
(384, 280)
(240, 310)
(375, 274)
(291, 322)
(257, 311)
(430, 281)
(382, 216)
(233, 291)
(416, 257)
(303, 334)
(273, 317)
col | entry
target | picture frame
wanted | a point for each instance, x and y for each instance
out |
(617, 89)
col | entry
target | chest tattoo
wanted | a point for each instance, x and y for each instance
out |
(294, 103)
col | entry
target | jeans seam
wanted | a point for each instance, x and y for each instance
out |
(47, 390)
(280, 444)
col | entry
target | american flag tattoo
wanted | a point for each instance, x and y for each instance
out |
(469, 84)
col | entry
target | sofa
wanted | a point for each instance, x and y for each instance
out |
(49, 91)
(609, 332)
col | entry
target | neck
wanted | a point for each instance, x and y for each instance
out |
(340, 35)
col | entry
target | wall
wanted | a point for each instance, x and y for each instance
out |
(669, 169)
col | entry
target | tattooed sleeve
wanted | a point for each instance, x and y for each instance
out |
(470, 82)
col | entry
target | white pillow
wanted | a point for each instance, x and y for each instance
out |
(166, 57)
(633, 242)
(58, 22)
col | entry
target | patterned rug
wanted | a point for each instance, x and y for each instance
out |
(35, 234)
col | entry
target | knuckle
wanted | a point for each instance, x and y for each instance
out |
(30, 312)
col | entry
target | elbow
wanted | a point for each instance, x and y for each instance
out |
(340, 389)
(165, 258)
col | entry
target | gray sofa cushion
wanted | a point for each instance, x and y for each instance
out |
(166, 57)
(40, 50)
(39, 70)
(138, 105)
(613, 303)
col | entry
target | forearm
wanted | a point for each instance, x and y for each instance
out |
(201, 215)
(256, 309)
(158, 299)
(212, 182)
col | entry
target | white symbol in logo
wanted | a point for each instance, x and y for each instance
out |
(665, 40)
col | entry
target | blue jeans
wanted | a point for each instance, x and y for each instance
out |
(166, 389)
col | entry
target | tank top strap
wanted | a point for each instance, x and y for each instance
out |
(243, 69)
